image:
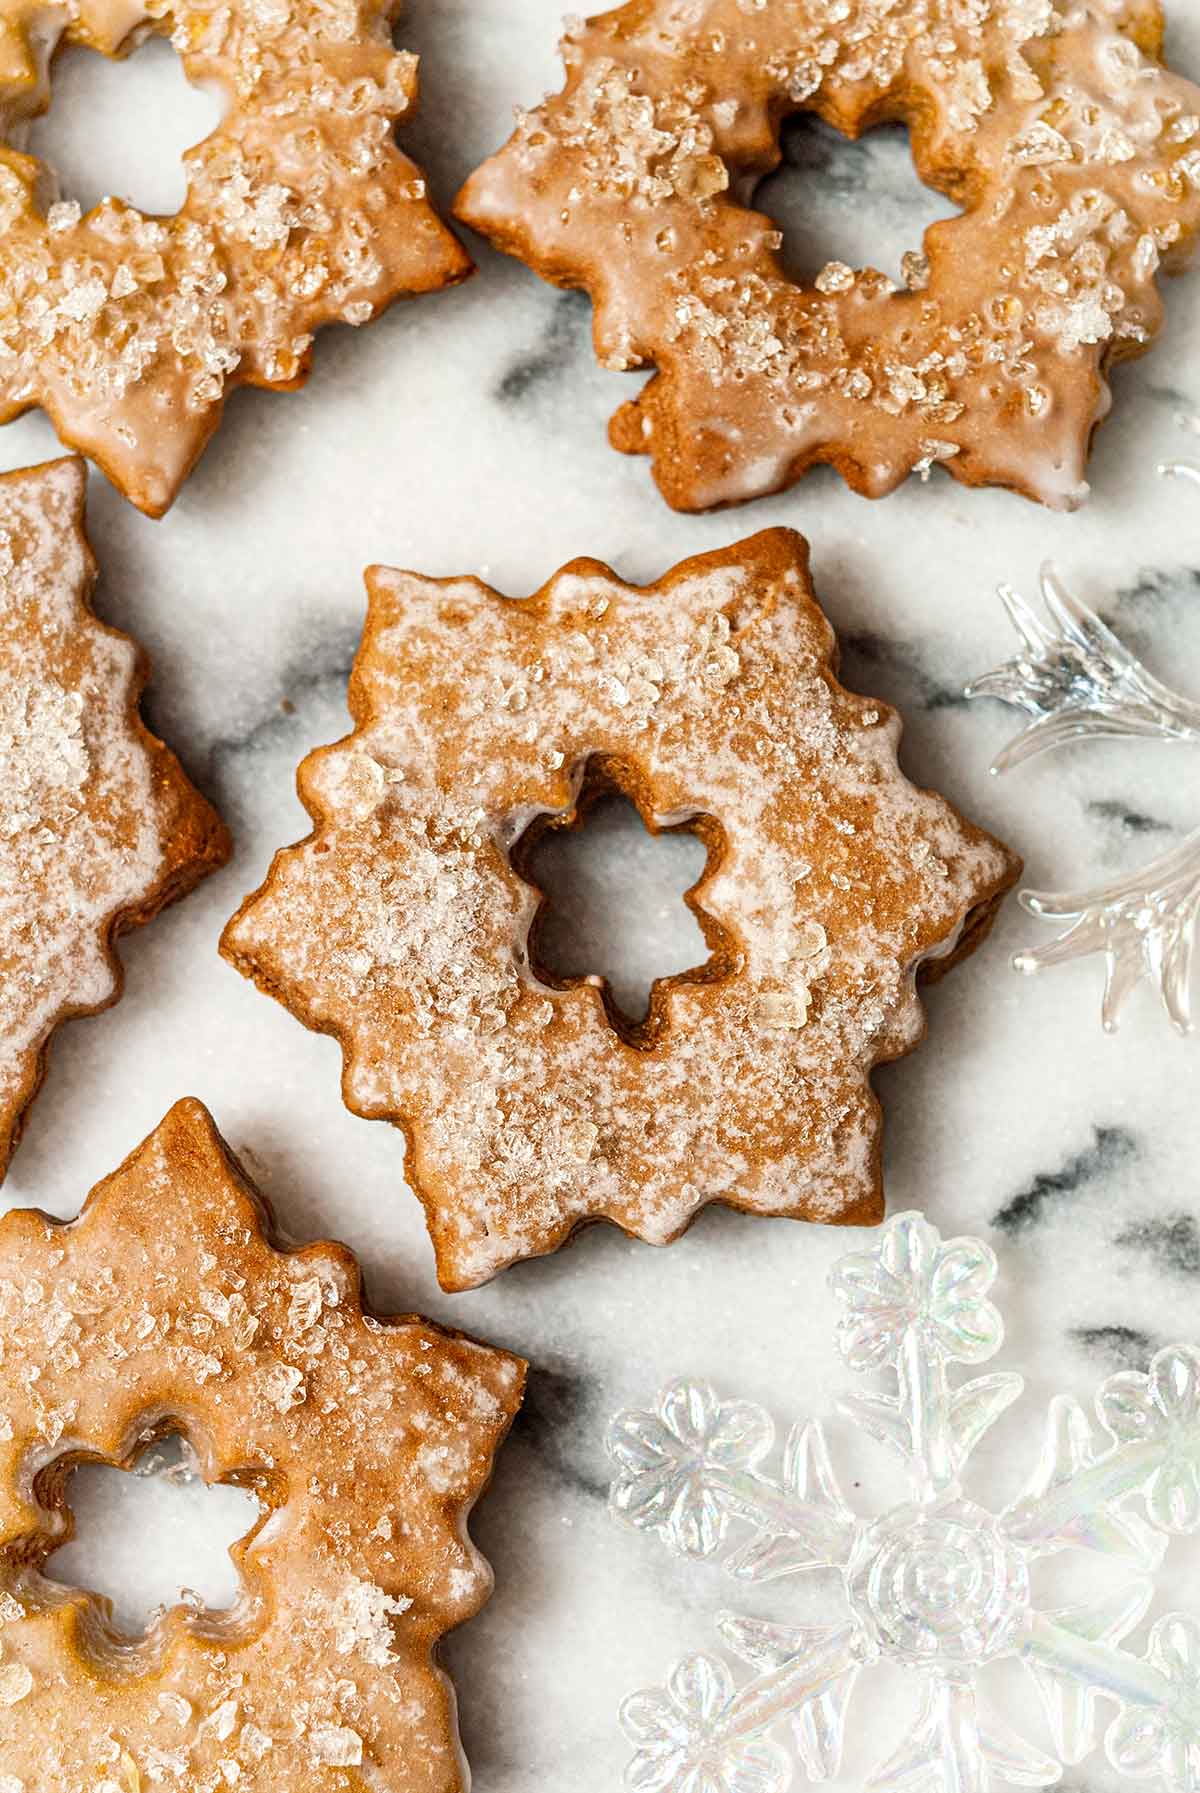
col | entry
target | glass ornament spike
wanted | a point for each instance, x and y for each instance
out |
(1075, 680)
(937, 1585)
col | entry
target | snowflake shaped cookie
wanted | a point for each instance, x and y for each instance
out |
(129, 330)
(403, 924)
(99, 827)
(167, 1308)
(938, 1585)
(1077, 681)
(1074, 153)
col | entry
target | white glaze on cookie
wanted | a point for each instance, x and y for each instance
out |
(98, 825)
(130, 330)
(1074, 153)
(400, 926)
(165, 1307)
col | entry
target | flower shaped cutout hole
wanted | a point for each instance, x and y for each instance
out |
(621, 900)
(143, 1547)
(815, 199)
(85, 138)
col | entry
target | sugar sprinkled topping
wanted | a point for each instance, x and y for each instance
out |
(320, 1666)
(88, 803)
(16, 1683)
(300, 211)
(1079, 154)
(402, 928)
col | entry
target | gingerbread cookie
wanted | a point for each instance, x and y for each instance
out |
(167, 1308)
(99, 826)
(1073, 152)
(130, 330)
(402, 925)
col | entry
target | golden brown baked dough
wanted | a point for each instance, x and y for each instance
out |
(1074, 154)
(166, 1307)
(131, 330)
(401, 926)
(99, 826)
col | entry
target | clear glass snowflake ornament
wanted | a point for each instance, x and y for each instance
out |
(1075, 679)
(938, 1585)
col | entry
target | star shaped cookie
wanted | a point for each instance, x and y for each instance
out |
(168, 1307)
(131, 330)
(1070, 149)
(403, 925)
(99, 826)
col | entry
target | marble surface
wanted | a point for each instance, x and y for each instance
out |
(466, 433)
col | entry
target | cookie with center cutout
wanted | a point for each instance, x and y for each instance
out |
(403, 925)
(172, 1306)
(131, 330)
(1072, 150)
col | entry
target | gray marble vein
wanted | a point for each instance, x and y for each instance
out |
(1111, 1149)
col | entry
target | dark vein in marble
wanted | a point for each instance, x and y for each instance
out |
(814, 147)
(1124, 1347)
(557, 1415)
(321, 673)
(1158, 585)
(871, 654)
(1166, 394)
(536, 367)
(835, 167)
(1133, 821)
(1112, 1148)
(1171, 1241)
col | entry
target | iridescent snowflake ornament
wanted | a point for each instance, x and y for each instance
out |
(938, 1585)
(1075, 679)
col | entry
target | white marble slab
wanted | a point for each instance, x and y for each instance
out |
(466, 433)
